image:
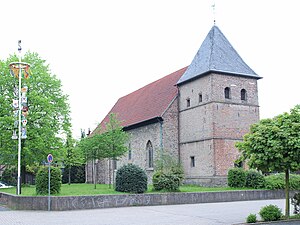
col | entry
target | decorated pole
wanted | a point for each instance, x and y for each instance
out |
(19, 118)
(20, 107)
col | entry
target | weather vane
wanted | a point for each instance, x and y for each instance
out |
(213, 6)
(19, 46)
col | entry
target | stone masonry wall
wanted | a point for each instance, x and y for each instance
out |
(210, 124)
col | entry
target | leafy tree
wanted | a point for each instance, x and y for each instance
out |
(92, 149)
(108, 144)
(73, 156)
(273, 145)
(48, 118)
(115, 139)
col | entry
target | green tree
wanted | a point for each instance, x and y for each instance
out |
(115, 139)
(92, 147)
(73, 156)
(48, 118)
(273, 145)
(107, 144)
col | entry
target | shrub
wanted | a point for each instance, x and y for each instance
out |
(251, 218)
(255, 179)
(277, 181)
(169, 174)
(236, 177)
(9, 176)
(42, 181)
(131, 178)
(169, 182)
(296, 203)
(270, 213)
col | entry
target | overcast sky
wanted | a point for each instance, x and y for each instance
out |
(103, 50)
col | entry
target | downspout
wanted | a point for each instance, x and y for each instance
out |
(178, 125)
(161, 137)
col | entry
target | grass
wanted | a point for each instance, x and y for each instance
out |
(88, 189)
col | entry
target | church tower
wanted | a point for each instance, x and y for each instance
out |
(217, 101)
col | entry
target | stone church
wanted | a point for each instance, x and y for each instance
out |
(195, 114)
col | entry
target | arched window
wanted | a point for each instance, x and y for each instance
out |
(149, 149)
(243, 94)
(227, 92)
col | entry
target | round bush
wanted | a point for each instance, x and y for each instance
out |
(251, 218)
(169, 182)
(131, 178)
(236, 177)
(270, 213)
(42, 181)
(255, 179)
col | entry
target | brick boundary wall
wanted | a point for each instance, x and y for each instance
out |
(110, 201)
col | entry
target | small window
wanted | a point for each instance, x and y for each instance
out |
(188, 102)
(227, 93)
(200, 98)
(149, 154)
(243, 95)
(192, 161)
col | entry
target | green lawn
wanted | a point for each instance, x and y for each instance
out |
(88, 189)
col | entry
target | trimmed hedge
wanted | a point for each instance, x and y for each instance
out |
(131, 178)
(42, 181)
(236, 177)
(255, 179)
(277, 181)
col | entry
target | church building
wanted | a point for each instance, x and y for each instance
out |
(195, 114)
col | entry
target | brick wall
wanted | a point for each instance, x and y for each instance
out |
(210, 124)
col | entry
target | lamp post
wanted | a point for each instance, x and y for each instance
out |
(16, 69)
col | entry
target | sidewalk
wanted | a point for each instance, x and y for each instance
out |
(191, 214)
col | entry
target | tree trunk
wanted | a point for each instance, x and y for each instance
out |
(86, 172)
(23, 174)
(287, 196)
(94, 174)
(109, 173)
(69, 182)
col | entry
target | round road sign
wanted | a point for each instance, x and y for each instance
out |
(49, 158)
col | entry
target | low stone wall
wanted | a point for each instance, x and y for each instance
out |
(109, 201)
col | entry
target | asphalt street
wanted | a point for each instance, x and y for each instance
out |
(191, 214)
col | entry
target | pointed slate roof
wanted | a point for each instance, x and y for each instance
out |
(147, 103)
(216, 54)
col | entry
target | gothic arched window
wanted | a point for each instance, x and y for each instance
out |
(149, 149)
(244, 95)
(227, 92)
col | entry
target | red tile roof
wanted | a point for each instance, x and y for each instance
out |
(147, 102)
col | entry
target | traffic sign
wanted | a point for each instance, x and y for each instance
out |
(49, 158)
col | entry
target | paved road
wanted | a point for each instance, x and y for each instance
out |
(193, 214)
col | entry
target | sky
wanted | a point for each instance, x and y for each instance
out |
(102, 50)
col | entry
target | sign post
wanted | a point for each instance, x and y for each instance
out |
(49, 159)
